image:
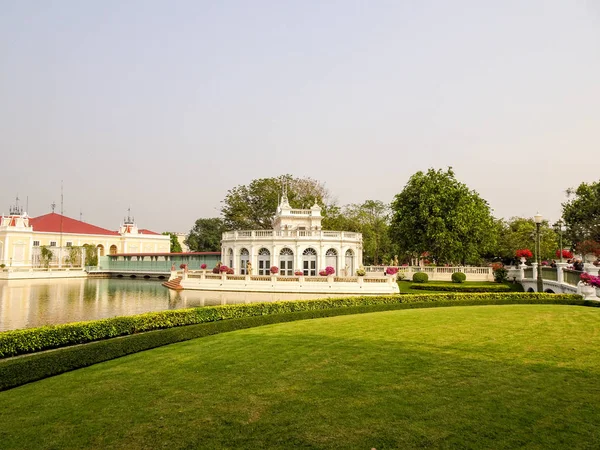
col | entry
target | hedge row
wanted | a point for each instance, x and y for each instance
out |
(32, 340)
(27, 368)
(461, 287)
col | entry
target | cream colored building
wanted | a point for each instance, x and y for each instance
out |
(21, 238)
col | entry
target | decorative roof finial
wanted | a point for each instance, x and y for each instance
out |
(16, 210)
(53, 205)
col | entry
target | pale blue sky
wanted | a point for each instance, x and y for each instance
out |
(165, 105)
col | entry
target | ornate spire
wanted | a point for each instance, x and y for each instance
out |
(284, 198)
(16, 209)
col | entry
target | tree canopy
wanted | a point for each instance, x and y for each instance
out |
(175, 246)
(206, 234)
(519, 233)
(582, 213)
(437, 214)
(253, 206)
(371, 218)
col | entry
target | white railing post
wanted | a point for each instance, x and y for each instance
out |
(560, 275)
(535, 270)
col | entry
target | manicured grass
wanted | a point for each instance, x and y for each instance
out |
(462, 377)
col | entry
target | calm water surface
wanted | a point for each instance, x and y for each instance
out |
(33, 303)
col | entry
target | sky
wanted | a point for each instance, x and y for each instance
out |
(163, 106)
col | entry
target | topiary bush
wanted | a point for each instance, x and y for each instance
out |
(458, 277)
(420, 277)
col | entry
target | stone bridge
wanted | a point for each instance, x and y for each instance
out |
(555, 280)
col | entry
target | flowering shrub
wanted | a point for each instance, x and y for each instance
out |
(565, 253)
(298, 273)
(497, 265)
(323, 273)
(182, 266)
(545, 263)
(223, 269)
(203, 266)
(274, 270)
(523, 253)
(215, 270)
(329, 270)
(587, 247)
(391, 271)
(590, 280)
(361, 272)
(230, 271)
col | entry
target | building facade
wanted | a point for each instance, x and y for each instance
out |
(297, 243)
(22, 237)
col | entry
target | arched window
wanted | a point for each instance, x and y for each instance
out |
(264, 261)
(349, 262)
(113, 249)
(286, 262)
(331, 257)
(309, 262)
(244, 258)
(100, 247)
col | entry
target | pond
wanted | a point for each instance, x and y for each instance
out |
(33, 303)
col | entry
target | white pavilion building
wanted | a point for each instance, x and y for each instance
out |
(296, 243)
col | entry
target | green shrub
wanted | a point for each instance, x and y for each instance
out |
(453, 287)
(500, 275)
(458, 277)
(420, 277)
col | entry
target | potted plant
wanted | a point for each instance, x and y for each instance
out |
(523, 254)
(298, 273)
(361, 272)
(274, 270)
(203, 266)
(565, 254)
(589, 283)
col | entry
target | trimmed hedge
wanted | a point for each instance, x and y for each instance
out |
(420, 277)
(458, 277)
(32, 340)
(461, 287)
(24, 369)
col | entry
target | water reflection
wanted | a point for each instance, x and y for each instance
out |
(33, 303)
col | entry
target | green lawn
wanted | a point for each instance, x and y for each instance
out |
(462, 377)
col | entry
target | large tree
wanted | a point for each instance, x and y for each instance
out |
(435, 213)
(582, 213)
(520, 232)
(253, 206)
(206, 234)
(175, 246)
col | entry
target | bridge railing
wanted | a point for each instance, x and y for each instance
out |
(571, 276)
(549, 273)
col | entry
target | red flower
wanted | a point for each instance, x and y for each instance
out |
(274, 270)
(203, 266)
(523, 253)
(565, 253)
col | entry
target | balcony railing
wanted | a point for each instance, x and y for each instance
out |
(296, 234)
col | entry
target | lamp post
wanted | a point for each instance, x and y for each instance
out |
(559, 225)
(538, 221)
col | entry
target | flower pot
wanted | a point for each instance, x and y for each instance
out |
(588, 292)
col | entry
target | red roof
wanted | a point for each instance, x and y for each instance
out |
(144, 231)
(56, 223)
